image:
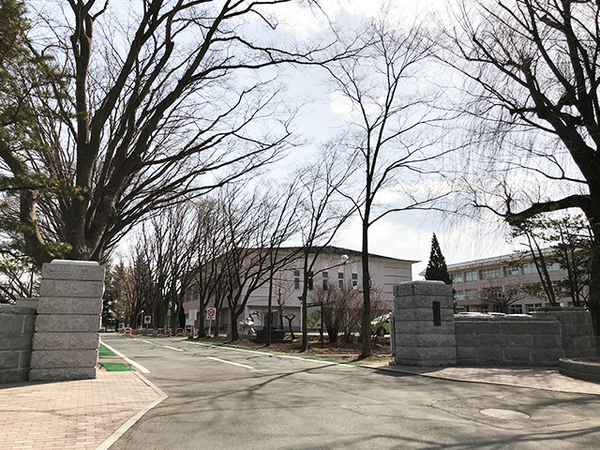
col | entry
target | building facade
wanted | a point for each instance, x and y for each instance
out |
(508, 282)
(335, 267)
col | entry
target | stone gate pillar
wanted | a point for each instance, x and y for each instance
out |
(65, 344)
(424, 332)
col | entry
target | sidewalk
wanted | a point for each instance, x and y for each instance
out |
(80, 414)
(534, 378)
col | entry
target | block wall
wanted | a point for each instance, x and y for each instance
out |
(577, 331)
(423, 336)
(17, 325)
(508, 341)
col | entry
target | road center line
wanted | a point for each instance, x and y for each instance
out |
(173, 348)
(229, 362)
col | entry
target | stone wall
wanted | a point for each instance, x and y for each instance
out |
(577, 331)
(16, 334)
(508, 341)
(65, 344)
(426, 332)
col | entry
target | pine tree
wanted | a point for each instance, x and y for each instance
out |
(436, 267)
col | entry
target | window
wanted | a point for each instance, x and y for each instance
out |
(354, 280)
(490, 274)
(511, 271)
(325, 280)
(471, 276)
(296, 278)
(459, 295)
(553, 266)
(471, 294)
(515, 309)
(457, 277)
(341, 280)
(531, 307)
(493, 294)
(529, 268)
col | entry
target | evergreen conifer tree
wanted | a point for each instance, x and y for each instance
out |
(436, 267)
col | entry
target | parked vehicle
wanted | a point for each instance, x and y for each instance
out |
(381, 325)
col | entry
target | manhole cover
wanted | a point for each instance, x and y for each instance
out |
(505, 414)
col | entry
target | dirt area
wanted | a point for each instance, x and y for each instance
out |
(338, 351)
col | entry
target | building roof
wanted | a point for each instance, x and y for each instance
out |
(330, 249)
(494, 260)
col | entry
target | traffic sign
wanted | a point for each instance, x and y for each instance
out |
(127, 330)
(147, 319)
(211, 313)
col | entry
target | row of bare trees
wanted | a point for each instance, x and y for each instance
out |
(224, 247)
(104, 126)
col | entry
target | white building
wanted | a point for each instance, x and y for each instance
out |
(335, 266)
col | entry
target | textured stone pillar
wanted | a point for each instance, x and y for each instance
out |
(424, 333)
(65, 344)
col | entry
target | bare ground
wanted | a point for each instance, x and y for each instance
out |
(338, 351)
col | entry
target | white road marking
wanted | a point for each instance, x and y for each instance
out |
(229, 362)
(173, 348)
(126, 359)
(147, 342)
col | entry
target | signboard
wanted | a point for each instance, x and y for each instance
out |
(211, 313)
(147, 319)
(127, 330)
(313, 315)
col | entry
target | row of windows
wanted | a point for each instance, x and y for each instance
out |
(495, 272)
(325, 278)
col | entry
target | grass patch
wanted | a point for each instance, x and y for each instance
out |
(103, 351)
(116, 367)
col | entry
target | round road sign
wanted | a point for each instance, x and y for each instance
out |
(211, 313)
(127, 330)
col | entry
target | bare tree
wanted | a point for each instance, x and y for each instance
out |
(283, 226)
(503, 297)
(255, 231)
(342, 310)
(534, 72)
(323, 212)
(155, 97)
(390, 129)
(208, 278)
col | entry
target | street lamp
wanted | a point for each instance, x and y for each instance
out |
(139, 314)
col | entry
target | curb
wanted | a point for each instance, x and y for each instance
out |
(137, 416)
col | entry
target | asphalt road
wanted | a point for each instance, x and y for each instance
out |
(233, 399)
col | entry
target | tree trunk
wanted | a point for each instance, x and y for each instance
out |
(304, 345)
(200, 319)
(594, 282)
(233, 325)
(366, 285)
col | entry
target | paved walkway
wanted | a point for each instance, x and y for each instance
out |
(547, 379)
(92, 414)
(72, 414)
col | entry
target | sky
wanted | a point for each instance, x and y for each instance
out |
(403, 235)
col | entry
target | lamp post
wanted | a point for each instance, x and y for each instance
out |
(139, 314)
